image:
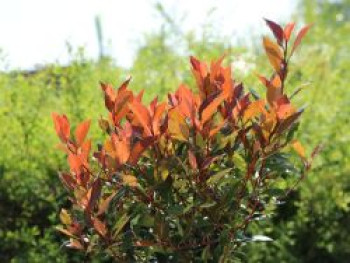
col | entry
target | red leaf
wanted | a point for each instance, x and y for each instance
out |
(137, 151)
(124, 85)
(288, 30)
(75, 165)
(195, 63)
(209, 111)
(186, 101)
(299, 37)
(81, 131)
(100, 227)
(276, 30)
(157, 118)
(142, 115)
(121, 105)
(104, 203)
(119, 148)
(95, 194)
(62, 126)
(153, 105)
(110, 96)
(215, 68)
(85, 150)
(67, 180)
(192, 159)
(139, 96)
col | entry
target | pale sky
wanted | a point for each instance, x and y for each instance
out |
(34, 32)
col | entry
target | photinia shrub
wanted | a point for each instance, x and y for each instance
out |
(182, 180)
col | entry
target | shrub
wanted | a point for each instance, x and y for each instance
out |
(182, 180)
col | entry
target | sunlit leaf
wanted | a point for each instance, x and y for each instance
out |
(129, 180)
(254, 109)
(122, 221)
(65, 217)
(81, 131)
(142, 115)
(216, 178)
(212, 108)
(104, 203)
(62, 126)
(274, 53)
(299, 37)
(99, 226)
(299, 149)
(288, 29)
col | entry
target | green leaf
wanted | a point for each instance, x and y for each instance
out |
(216, 178)
(239, 162)
(65, 217)
(122, 221)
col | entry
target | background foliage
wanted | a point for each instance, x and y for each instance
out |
(311, 227)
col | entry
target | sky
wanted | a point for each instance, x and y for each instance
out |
(35, 32)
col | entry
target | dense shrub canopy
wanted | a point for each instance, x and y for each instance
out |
(184, 179)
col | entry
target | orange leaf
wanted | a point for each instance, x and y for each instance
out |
(186, 99)
(212, 108)
(123, 151)
(74, 164)
(192, 159)
(121, 105)
(137, 150)
(274, 90)
(273, 52)
(73, 243)
(288, 30)
(81, 131)
(130, 180)
(100, 227)
(177, 126)
(215, 68)
(284, 108)
(104, 203)
(299, 149)
(142, 115)
(216, 129)
(139, 96)
(62, 126)
(157, 118)
(119, 148)
(299, 37)
(110, 96)
(254, 109)
(124, 85)
(85, 150)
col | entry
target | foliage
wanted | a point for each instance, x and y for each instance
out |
(183, 180)
(314, 226)
(29, 191)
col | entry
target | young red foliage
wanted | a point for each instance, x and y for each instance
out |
(204, 153)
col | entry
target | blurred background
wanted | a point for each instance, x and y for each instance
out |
(54, 53)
